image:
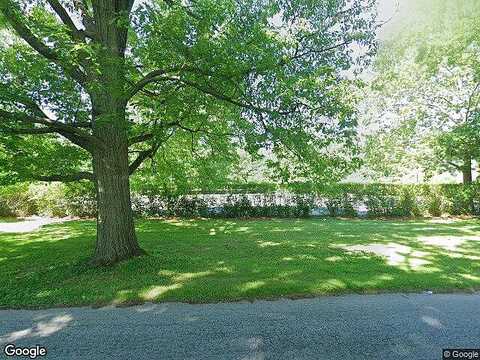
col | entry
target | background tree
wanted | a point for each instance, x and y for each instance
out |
(91, 89)
(457, 148)
(425, 95)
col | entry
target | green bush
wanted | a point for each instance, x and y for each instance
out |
(190, 207)
(50, 200)
(61, 200)
(15, 201)
(434, 201)
(461, 200)
(333, 206)
(348, 206)
(56, 200)
(381, 200)
(240, 208)
(80, 199)
(303, 207)
(339, 199)
(408, 203)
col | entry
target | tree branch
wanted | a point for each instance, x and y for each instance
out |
(66, 19)
(456, 166)
(83, 7)
(470, 100)
(18, 24)
(319, 51)
(189, 12)
(25, 118)
(142, 156)
(75, 135)
(139, 138)
(82, 175)
(152, 76)
(198, 130)
(33, 131)
(226, 98)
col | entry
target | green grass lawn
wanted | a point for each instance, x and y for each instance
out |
(223, 260)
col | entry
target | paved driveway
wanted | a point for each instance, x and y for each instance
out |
(392, 326)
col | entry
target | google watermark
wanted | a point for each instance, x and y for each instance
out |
(450, 354)
(32, 352)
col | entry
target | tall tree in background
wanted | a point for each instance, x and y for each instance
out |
(90, 89)
(456, 149)
(427, 92)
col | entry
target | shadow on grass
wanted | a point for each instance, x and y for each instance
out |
(226, 260)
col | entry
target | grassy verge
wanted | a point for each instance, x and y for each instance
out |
(222, 260)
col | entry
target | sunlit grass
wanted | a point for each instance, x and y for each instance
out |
(223, 260)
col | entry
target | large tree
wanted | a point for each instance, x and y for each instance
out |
(458, 148)
(90, 89)
(422, 109)
(428, 122)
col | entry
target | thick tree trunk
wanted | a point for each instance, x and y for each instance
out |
(467, 171)
(116, 239)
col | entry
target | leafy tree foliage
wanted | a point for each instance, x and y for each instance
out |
(427, 91)
(109, 84)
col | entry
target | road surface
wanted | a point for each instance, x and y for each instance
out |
(390, 326)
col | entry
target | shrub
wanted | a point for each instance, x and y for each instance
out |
(348, 206)
(408, 204)
(433, 202)
(190, 207)
(461, 199)
(50, 199)
(333, 206)
(16, 201)
(303, 207)
(380, 201)
(237, 208)
(61, 200)
(334, 200)
(81, 199)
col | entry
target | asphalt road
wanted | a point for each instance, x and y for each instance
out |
(396, 326)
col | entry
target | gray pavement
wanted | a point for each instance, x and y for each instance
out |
(391, 326)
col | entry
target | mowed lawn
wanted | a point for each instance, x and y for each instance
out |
(225, 260)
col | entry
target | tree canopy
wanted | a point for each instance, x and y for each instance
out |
(92, 89)
(426, 93)
(251, 75)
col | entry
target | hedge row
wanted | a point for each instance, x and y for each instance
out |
(55, 200)
(225, 206)
(352, 200)
(403, 200)
(299, 200)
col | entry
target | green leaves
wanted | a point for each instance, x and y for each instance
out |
(426, 83)
(28, 157)
(264, 76)
(274, 66)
